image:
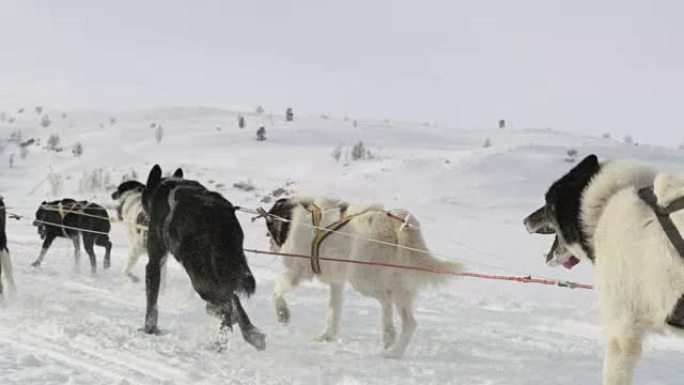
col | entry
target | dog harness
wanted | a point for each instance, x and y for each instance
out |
(321, 233)
(662, 213)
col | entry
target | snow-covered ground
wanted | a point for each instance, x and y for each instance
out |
(66, 326)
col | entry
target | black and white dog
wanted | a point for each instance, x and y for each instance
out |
(74, 220)
(628, 222)
(5, 261)
(130, 211)
(200, 229)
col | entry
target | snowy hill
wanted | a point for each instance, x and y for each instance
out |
(66, 326)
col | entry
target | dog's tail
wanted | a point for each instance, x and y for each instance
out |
(413, 251)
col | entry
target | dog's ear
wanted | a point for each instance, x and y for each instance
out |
(178, 173)
(155, 176)
(590, 163)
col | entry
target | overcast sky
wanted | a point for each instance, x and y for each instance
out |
(590, 66)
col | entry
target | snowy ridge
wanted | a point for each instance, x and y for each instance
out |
(66, 326)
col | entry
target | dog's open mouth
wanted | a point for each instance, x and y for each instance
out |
(559, 255)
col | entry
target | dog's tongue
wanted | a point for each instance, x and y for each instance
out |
(571, 262)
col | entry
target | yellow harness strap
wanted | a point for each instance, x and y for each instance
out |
(321, 233)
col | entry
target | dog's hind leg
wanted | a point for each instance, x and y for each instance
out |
(404, 306)
(332, 323)
(286, 283)
(250, 333)
(46, 245)
(133, 255)
(77, 248)
(88, 242)
(103, 240)
(6, 265)
(623, 351)
(389, 333)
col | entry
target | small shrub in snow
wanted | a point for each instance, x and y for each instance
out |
(261, 134)
(358, 152)
(244, 186)
(259, 110)
(45, 121)
(606, 136)
(11, 161)
(153, 125)
(325, 117)
(63, 115)
(11, 120)
(158, 133)
(502, 124)
(20, 110)
(487, 143)
(289, 115)
(77, 149)
(571, 155)
(112, 121)
(337, 153)
(356, 123)
(241, 121)
(53, 142)
(628, 139)
(95, 180)
(39, 110)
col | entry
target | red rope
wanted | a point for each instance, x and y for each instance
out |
(523, 279)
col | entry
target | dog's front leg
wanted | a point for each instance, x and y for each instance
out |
(46, 245)
(621, 356)
(156, 254)
(332, 323)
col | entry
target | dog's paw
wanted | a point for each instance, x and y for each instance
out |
(256, 338)
(107, 263)
(392, 353)
(150, 330)
(389, 337)
(283, 315)
(325, 337)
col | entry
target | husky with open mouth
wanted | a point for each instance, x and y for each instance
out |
(622, 218)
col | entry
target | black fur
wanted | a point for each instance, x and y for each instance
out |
(51, 224)
(200, 229)
(124, 187)
(3, 236)
(563, 201)
(279, 230)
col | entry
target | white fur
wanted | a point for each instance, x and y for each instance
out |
(390, 286)
(639, 274)
(137, 238)
(6, 263)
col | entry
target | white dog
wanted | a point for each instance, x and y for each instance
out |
(390, 286)
(130, 211)
(603, 213)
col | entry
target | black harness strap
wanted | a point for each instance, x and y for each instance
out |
(663, 215)
(676, 318)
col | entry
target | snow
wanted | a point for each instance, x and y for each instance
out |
(66, 326)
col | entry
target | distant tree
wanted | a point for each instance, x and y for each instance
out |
(158, 133)
(359, 152)
(487, 143)
(356, 123)
(337, 153)
(63, 115)
(39, 110)
(325, 117)
(261, 133)
(241, 121)
(11, 120)
(289, 115)
(112, 121)
(259, 110)
(628, 139)
(153, 125)
(571, 155)
(502, 124)
(11, 160)
(53, 142)
(218, 128)
(606, 136)
(20, 111)
(45, 121)
(77, 149)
